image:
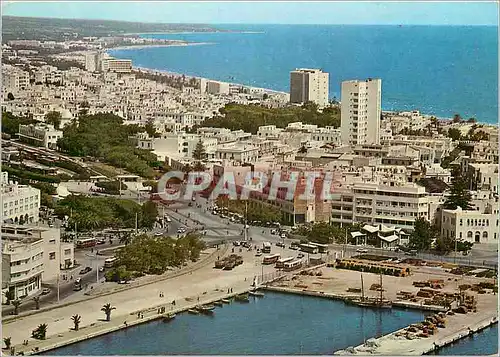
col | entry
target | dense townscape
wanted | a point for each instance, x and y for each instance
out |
(87, 137)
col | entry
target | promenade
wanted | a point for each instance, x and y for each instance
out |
(206, 284)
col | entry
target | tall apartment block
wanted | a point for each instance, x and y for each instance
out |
(360, 111)
(309, 85)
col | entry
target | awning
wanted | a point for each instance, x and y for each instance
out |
(386, 229)
(390, 238)
(370, 229)
(357, 234)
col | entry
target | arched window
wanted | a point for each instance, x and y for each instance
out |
(485, 235)
(487, 222)
(469, 234)
(468, 222)
(477, 237)
(475, 222)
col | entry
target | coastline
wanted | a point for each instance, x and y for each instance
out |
(267, 90)
(180, 44)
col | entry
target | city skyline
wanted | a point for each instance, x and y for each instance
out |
(321, 13)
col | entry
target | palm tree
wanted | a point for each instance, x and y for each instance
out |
(16, 304)
(41, 332)
(107, 310)
(76, 321)
(7, 341)
(126, 238)
(36, 299)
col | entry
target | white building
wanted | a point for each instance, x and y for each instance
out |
(309, 85)
(92, 61)
(21, 203)
(360, 111)
(31, 255)
(472, 225)
(238, 152)
(374, 203)
(116, 65)
(14, 79)
(216, 87)
(40, 134)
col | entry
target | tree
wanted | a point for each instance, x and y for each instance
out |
(40, 332)
(151, 130)
(36, 299)
(107, 310)
(471, 120)
(9, 295)
(423, 235)
(199, 153)
(10, 96)
(459, 195)
(7, 341)
(76, 321)
(149, 212)
(302, 150)
(53, 118)
(457, 118)
(16, 304)
(198, 166)
(454, 134)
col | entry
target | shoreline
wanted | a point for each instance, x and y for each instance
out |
(180, 44)
(268, 90)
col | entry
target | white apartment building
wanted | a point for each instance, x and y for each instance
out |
(327, 134)
(373, 203)
(178, 145)
(31, 255)
(14, 79)
(360, 111)
(116, 65)
(269, 132)
(309, 85)
(216, 87)
(484, 176)
(471, 226)
(92, 61)
(21, 203)
(40, 134)
(238, 152)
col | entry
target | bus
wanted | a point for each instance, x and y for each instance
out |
(266, 247)
(281, 262)
(271, 259)
(309, 248)
(108, 263)
(293, 265)
(86, 243)
(323, 248)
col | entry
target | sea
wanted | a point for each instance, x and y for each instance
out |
(276, 324)
(439, 70)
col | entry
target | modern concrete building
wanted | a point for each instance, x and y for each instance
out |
(309, 85)
(360, 111)
(14, 79)
(92, 62)
(20, 202)
(116, 65)
(216, 87)
(40, 134)
(31, 255)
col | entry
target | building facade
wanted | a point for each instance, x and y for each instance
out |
(309, 85)
(471, 225)
(360, 111)
(21, 203)
(40, 134)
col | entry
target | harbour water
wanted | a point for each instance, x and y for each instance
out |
(441, 70)
(275, 324)
(484, 342)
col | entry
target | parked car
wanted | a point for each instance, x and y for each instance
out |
(301, 255)
(361, 250)
(101, 241)
(45, 291)
(280, 244)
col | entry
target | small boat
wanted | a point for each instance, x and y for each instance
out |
(207, 310)
(256, 294)
(242, 298)
(193, 311)
(218, 303)
(226, 301)
(169, 318)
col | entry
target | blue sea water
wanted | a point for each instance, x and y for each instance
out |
(276, 324)
(484, 342)
(440, 70)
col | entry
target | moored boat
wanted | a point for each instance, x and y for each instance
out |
(193, 312)
(168, 317)
(226, 301)
(218, 303)
(242, 298)
(206, 310)
(256, 293)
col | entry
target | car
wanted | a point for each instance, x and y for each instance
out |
(167, 218)
(258, 254)
(294, 247)
(300, 255)
(273, 231)
(85, 270)
(158, 234)
(236, 243)
(280, 244)
(45, 291)
(101, 269)
(283, 235)
(101, 241)
(361, 250)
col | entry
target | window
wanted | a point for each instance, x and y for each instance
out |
(461, 222)
(67, 251)
(52, 241)
(460, 235)
(469, 234)
(52, 255)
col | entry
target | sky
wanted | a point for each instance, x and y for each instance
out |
(379, 13)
